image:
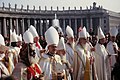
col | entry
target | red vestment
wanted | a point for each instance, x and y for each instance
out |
(38, 45)
(32, 71)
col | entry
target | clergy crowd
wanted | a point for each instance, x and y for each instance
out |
(28, 56)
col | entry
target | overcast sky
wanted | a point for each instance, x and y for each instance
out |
(113, 5)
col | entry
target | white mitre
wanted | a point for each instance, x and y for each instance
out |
(61, 44)
(2, 41)
(100, 33)
(51, 36)
(33, 31)
(113, 31)
(13, 36)
(55, 22)
(69, 32)
(19, 37)
(3, 48)
(28, 37)
(82, 33)
(88, 35)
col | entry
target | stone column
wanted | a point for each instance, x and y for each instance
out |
(38, 26)
(47, 24)
(100, 21)
(70, 22)
(35, 22)
(17, 29)
(28, 21)
(87, 24)
(11, 27)
(102, 24)
(23, 26)
(64, 26)
(91, 24)
(4, 27)
(81, 22)
(75, 26)
(41, 27)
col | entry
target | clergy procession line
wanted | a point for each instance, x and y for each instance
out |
(60, 57)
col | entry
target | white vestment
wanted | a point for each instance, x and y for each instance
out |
(4, 70)
(14, 54)
(46, 65)
(37, 50)
(82, 55)
(102, 62)
(92, 53)
(69, 54)
(111, 51)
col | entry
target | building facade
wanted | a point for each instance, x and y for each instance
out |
(20, 19)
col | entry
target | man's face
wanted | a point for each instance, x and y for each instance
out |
(52, 49)
(42, 38)
(113, 38)
(102, 41)
(71, 40)
(61, 52)
(19, 43)
(106, 37)
(36, 39)
(32, 50)
(83, 41)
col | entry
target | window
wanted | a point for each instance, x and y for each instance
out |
(104, 26)
(104, 21)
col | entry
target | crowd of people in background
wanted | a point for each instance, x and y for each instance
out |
(59, 56)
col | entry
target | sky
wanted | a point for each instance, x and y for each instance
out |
(113, 5)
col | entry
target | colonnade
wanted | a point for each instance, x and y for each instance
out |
(22, 24)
